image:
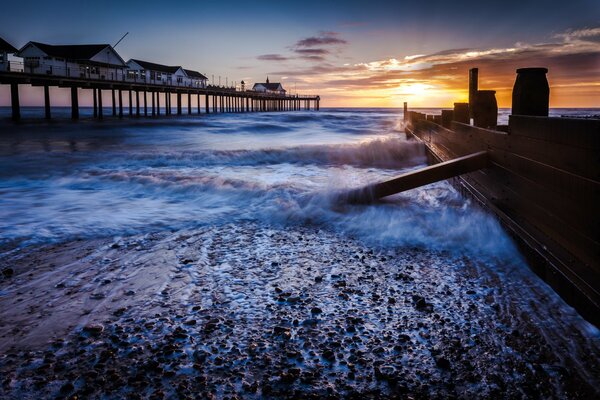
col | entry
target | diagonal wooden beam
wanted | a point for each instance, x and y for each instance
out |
(421, 177)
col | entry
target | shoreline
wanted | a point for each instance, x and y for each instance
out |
(204, 310)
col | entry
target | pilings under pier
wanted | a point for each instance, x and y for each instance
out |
(216, 100)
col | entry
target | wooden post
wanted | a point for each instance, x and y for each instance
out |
(130, 103)
(189, 103)
(157, 103)
(145, 104)
(114, 104)
(95, 94)
(100, 112)
(120, 103)
(74, 103)
(405, 114)
(207, 105)
(47, 101)
(14, 99)
(153, 103)
(198, 104)
(473, 87)
(178, 103)
(137, 103)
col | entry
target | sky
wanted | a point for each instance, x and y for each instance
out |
(352, 53)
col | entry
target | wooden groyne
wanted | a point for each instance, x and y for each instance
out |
(542, 181)
(146, 99)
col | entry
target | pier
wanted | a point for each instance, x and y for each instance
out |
(150, 97)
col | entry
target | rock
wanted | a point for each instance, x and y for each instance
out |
(422, 305)
(316, 310)
(318, 279)
(329, 355)
(93, 329)
(8, 272)
(442, 363)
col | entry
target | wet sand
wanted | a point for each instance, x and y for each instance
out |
(249, 311)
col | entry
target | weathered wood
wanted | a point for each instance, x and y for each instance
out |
(421, 177)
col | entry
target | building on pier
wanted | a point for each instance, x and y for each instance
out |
(91, 61)
(196, 79)
(268, 87)
(5, 49)
(157, 74)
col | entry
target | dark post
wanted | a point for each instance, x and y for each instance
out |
(130, 103)
(405, 110)
(14, 98)
(120, 103)
(531, 93)
(157, 103)
(198, 104)
(153, 103)
(473, 87)
(74, 103)
(447, 117)
(178, 103)
(137, 103)
(100, 113)
(485, 109)
(47, 101)
(189, 103)
(461, 112)
(207, 105)
(114, 104)
(145, 104)
(95, 94)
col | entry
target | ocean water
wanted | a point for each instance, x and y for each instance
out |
(61, 180)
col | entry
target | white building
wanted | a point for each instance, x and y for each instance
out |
(144, 71)
(268, 87)
(5, 49)
(196, 79)
(92, 61)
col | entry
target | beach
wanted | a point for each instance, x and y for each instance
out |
(212, 258)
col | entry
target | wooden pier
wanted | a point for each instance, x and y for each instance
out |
(150, 97)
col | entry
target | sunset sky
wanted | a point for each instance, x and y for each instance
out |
(353, 53)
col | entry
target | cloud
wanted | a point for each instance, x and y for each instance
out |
(584, 35)
(272, 57)
(325, 38)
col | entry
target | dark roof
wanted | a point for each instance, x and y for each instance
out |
(6, 47)
(270, 86)
(71, 51)
(156, 67)
(194, 74)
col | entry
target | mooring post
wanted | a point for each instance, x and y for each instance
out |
(405, 114)
(95, 95)
(114, 103)
(137, 103)
(100, 112)
(120, 103)
(130, 103)
(14, 101)
(473, 87)
(47, 101)
(74, 103)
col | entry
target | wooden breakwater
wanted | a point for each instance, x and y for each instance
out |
(543, 183)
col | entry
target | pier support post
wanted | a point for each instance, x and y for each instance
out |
(189, 103)
(114, 103)
(47, 101)
(198, 104)
(130, 103)
(14, 101)
(178, 103)
(74, 103)
(207, 105)
(137, 103)
(157, 103)
(120, 103)
(145, 104)
(153, 103)
(95, 95)
(100, 112)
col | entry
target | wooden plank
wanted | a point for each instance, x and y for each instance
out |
(421, 177)
(577, 132)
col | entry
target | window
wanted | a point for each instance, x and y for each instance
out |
(179, 79)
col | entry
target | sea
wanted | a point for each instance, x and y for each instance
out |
(63, 180)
